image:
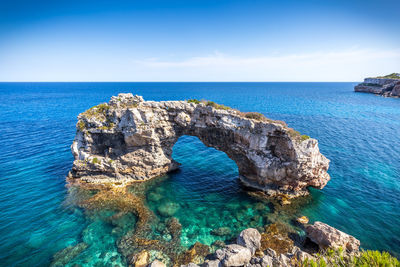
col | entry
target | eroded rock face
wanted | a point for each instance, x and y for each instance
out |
(130, 139)
(329, 237)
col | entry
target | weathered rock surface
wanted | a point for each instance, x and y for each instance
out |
(327, 236)
(380, 86)
(234, 255)
(130, 139)
(250, 238)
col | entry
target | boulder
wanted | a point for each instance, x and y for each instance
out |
(157, 263)
(234, 255)
(250, 238)
(326, 236)
(221, 231)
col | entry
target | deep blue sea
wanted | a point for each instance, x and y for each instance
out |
(359, 133)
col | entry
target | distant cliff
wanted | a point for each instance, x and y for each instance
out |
(388, 85)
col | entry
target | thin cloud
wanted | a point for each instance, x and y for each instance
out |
(350, 65)
(219, 59)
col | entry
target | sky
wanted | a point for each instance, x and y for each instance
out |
(219, 40)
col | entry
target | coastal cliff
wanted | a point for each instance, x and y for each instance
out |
(388, 85)
(130, 139)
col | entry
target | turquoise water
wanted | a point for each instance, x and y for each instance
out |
(359, 133)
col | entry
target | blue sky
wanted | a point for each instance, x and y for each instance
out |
(198, 40)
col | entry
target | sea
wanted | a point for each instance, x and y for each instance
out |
(41, 225)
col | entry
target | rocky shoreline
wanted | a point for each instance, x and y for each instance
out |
(129, 139)
(388, 87)
(253, 249)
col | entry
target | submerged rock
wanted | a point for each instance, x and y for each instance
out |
(195, 254)
(327, 236)
(130, 139)
(276, 239)
(62, 257)
(154, 197)
(221, 231)
(168, 209)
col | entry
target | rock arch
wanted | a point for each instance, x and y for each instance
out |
(130, 139)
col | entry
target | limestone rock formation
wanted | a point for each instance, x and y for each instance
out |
(130, 139)
(327, 236)
(389, 87)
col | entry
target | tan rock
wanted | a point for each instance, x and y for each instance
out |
(142, 259)
(327, 236)
(302, 220)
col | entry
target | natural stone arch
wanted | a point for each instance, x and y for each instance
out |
(130, 139)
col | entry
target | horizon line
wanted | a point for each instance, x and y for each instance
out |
(179, 81)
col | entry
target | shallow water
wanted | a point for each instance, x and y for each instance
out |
(357, 132)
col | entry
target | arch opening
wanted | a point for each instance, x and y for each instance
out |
(205, 196)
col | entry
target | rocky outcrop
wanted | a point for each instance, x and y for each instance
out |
(389, 87)
(250, 238)
(130, 139)
(329, 237)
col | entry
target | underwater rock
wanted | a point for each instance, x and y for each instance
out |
(62, 257)
(276, 239)
(130, 139)
(168, 209)
(234, 255)
(195, 254)
(154, 197)
(250, 238)
(221, 231)
(327, 236)
(157, 263)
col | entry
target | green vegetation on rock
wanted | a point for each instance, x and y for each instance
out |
(193, 101)
(390, 76)
(363, 259)
(255, 116)
(97, 111)
(81, 125)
